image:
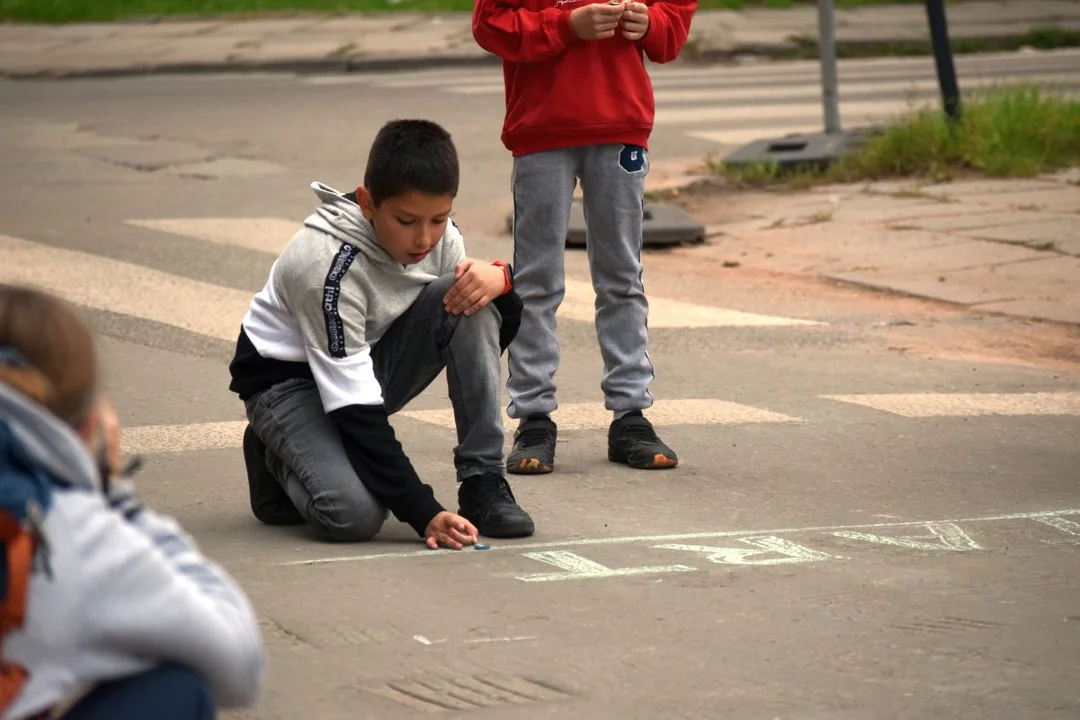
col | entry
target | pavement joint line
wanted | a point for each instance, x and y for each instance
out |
(628, 539)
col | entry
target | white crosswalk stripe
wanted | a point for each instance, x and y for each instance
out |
(152, 439)
(732, 105)
(271, 234)
(214, 311)
(929, 405)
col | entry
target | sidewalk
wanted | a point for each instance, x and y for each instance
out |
(1001, 246)
(342, 43)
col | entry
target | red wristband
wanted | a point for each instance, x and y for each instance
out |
(506, 274)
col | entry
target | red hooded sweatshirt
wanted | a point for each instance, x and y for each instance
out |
(562, 91)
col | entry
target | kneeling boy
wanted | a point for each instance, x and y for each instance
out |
(365, 306)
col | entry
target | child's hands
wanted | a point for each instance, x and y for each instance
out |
(596, 21)
(635, 21)
(477, 285)
(449, 530)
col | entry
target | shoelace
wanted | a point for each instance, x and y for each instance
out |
(532, 437)
(640, 429)
(488, 488)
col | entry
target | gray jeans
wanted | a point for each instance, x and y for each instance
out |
(305, 452)
(613, 184)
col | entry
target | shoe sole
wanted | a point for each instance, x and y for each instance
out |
(529, 466)
(517, 528)
(658, 462)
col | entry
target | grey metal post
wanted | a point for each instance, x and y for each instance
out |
(827, 50)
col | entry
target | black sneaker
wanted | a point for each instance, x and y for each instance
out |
(269, 502)
(487, 502)
(632, 441)
(534, 447)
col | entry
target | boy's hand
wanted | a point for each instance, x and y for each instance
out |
(477, 284)
(635, 21)
(596, 21)
(449, 530)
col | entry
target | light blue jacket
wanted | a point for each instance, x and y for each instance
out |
(128, 589)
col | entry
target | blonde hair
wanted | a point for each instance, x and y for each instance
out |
(48, 352)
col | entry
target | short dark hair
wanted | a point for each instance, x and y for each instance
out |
(411, 155)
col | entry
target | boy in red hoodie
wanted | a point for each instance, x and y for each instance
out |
(580, 106)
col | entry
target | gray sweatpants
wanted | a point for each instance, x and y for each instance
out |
(305, 452)
(613, 184)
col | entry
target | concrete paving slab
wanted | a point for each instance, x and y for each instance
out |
(965, 290)
(1055, 199)
(289, 48)
(1064, 308)
(966, 218)
(171, 30)
(1068, 244)
(952, 256)
(976, 189)
(713, 31)
(1036, 231)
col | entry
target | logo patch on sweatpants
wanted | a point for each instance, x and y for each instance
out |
(632, 158)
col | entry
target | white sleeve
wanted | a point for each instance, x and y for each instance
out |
(337, 349)
(150, 593)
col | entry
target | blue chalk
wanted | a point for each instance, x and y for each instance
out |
(481, 546)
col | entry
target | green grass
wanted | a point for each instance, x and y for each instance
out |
(1046, 38)
(62, 11)
(1008, 131)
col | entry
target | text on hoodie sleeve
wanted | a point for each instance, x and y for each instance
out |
(669, 27)
(341, 362)
(505, 29)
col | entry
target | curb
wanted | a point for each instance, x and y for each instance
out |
(299, 66)
(787, 50)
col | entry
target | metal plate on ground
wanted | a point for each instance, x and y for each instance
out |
(663, 225)
(811, 150)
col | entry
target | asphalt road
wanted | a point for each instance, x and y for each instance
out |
(854, 531)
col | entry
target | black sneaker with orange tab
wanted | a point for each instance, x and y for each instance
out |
(632, 441)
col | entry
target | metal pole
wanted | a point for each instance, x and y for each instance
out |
(827, 51)
(943, 59)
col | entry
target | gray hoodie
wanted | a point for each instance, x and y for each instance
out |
(128, 589)
(332, 294)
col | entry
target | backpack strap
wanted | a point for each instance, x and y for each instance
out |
(19, 546)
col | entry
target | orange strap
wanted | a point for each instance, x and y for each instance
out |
(506, 274)
(19, 546)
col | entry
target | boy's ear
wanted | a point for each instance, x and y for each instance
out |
(367, 205)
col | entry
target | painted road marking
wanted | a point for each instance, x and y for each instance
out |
(769, 547)
(149, 439)
(588, 416)
(909, 88)
(119, 287)
(579, 304)
(575, 567)
(270, 235)
(926, 405)
(265, 234)
(947, 536)
(633, 539)
(1070, 528)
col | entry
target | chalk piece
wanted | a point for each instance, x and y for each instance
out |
(481, 546)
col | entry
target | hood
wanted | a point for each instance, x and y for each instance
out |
(47, 440)
(340, 217)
